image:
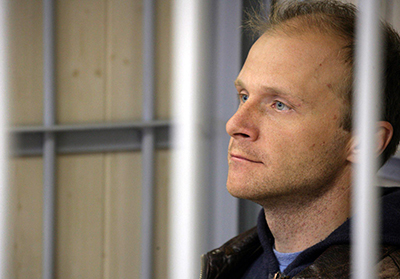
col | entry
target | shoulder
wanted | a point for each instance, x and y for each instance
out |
(335, 263)
(389, 266)
(232, 257)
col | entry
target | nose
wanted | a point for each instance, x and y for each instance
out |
(243, 124)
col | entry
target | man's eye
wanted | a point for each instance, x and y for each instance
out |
(280, 106)
(243, 98)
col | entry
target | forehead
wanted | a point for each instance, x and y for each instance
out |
(299, 64)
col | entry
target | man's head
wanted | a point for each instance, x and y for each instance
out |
(338, 19)
(292, 131)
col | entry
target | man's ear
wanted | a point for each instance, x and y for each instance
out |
(352, 149)
(384, 134)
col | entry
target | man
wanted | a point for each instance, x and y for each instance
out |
(293, 152)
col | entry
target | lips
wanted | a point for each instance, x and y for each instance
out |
(243, 158)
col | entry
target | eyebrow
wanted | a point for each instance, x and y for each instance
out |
(240, 83)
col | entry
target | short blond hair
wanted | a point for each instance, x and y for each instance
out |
(339, 19)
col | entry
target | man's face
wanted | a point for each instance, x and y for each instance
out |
(286, 137)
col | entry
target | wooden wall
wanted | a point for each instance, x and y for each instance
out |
(99, 79)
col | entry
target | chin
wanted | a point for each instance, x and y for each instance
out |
(260, 191)
(245, 190)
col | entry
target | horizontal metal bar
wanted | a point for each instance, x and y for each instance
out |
(91, 126)
(86, 141)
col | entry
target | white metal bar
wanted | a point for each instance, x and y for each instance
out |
(189, 218)
(4, 190)
(48, 205)
(227, 54)
(147, 204)
(49, 63)
(148, 140)
(49, 151)
(367, 99)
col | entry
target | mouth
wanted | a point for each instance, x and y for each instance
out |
(241, 158)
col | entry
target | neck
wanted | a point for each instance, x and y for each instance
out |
(302, 221)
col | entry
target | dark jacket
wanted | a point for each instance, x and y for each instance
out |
(250, 254)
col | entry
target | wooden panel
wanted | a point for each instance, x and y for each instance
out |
(81, 60)
(123, 215)
(80, 216)
(26, 62)
(124, 60)
(26, 177)
(161, 211)
(163, 58)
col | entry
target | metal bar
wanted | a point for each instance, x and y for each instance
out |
(49, 151)
(147, 204)
(48, 205)
(83, 141)
(95, 126)
(5, 259)
(228, 62)
(148, 140)
(189, 211)
(368, 84)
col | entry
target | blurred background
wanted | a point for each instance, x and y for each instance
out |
(97, 121)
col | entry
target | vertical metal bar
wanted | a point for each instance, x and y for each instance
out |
(148, 140)
(367, 88)
(4, 189)
(49, 154)
(228, 62)
(189, 215)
